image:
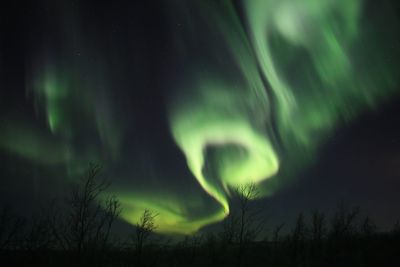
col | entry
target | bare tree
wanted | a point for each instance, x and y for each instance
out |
(145, 227)
(299, 232)
(111, 211)
(318, 226)
(276, 234)
(90, 217)
(247, 216)
(368, 227)
(297, 240)
(10, 227)
(229, 229)
(84, 209)
(344, 221)
(248, 223)
(39, 235)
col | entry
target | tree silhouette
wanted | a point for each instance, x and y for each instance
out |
(318, 226)
(247, 217)
(343, 222)
(276, 234)
(144, 229)
(90, 215)
(10, 227)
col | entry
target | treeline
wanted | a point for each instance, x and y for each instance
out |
(78, 232)
(72, 231)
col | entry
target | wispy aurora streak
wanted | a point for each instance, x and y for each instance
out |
(265, 90)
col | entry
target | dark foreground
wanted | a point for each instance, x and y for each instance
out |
(376, 249)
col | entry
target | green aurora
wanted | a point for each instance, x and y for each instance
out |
(262, 94)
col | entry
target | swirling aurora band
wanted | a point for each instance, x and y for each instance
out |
(290, 71)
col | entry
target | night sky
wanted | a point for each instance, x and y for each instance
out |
(182, 101)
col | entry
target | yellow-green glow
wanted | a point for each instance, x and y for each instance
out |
(172, 215)
(218, 123)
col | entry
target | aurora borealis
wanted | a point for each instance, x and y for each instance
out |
(237, 92)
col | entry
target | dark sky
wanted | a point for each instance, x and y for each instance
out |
(130, 54)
